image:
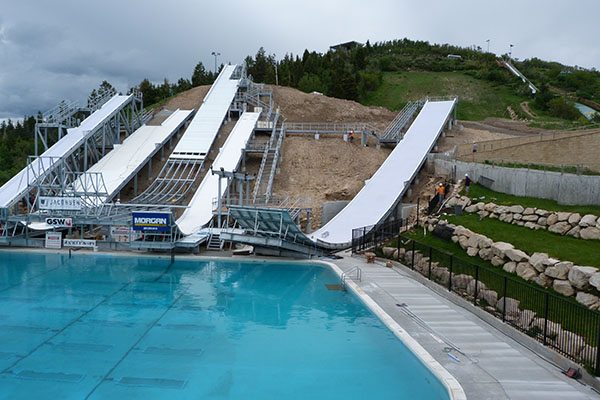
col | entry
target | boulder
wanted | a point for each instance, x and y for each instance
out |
(531, 225)
(551, 262)
(590, 233)
(588, 220)
(580, 276)
(517, 217)
(454, 239)
(587, 355)
(516, 255)
(485, 254)
(440, 275)
(489, 296)
(501, 210)
(502, 217)
(563, 287)
(471, 287)
(574, 219)
(388, 251)
(472, 251)
(537, 260)
(542, 213)
(595, 280)
(552, 219)
(512, 305)
(543, 280)
(560, 227)
(499, 248)
(520, 223)
(569, 342)
(483, 214)
(462, 242)
(510, 267)
(471, 209)
(497, 261)
(525, 319)
(563, 216)
(574, 231)
(543, 221)
(462, 231)
(559, 270)
(509, 218)
(516, 209)
(530, 218)
(528, 211)
(589, 300)
(526, 271)
(489, 207)
(494, 216)
(480, 206)
(461, 281)
(552, 328)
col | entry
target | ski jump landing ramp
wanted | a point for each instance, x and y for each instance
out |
(386, 187)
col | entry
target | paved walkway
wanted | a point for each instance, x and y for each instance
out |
(487, 363)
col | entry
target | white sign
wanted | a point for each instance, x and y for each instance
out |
(60, 222)
(53, 240)
(60, 203)
(123, 234)
(79, 243)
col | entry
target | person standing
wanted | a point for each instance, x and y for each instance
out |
(467, 183)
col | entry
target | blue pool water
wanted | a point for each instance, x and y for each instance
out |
(107, 327)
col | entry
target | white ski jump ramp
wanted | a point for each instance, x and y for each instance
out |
(121, 164)
(16, 187)
(387, 186)
(200, 209)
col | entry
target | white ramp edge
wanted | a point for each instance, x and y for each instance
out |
(203, 129)
(200, 209)
(121, 164)
(380, 194)
(18, 184)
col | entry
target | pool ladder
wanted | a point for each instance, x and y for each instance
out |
(349, 273)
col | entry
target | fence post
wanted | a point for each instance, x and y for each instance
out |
(504, 299)
(476, 285)
(450, 277)
(363, 238)
(429, 272)
(398, 246)
(545, 317)
(597, 366)
(412, 261)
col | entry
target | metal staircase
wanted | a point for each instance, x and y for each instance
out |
(263, 186)
(396, 129)
(214, 241)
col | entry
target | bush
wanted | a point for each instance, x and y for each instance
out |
(561, 108)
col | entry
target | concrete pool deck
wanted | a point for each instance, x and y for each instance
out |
(487, 363)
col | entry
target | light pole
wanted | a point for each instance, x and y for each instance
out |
(276, 75)
(214, 53)
(488, 45)
(510, 52)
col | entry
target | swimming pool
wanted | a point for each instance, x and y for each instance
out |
(108, 327)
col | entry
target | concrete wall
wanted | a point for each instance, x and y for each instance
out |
(564, 188)
(569, 148)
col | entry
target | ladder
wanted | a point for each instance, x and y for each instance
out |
(214, 241)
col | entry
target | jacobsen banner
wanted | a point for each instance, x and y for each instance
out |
(151, 222)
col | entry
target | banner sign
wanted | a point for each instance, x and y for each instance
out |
(150, 222)
(53, 240)
(124, 233)
(60, 222)
(79, 243)
(60, 203)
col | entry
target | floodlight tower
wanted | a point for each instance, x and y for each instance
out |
(488, 45)
(214, 53)
(510, 52)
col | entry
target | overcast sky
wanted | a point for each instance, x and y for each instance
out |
(61, 49)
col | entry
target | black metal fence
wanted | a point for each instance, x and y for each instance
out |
(560, 323)
(371, 236)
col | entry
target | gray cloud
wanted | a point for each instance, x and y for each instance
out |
(61, 49)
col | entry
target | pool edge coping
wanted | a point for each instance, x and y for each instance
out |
(453, 387)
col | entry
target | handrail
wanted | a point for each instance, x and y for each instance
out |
(346, 274)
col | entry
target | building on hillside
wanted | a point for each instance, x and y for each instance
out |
(345, 46)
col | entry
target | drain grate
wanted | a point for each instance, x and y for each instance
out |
(50, 376)
(334, 287)
(153, 382)
(165, 351)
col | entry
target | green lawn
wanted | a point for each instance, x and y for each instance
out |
(486, 195)
(567, 248)
(478, 99)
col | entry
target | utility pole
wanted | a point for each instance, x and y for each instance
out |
(510, 52)
(276, 76)
(488, 45)
(214, 53)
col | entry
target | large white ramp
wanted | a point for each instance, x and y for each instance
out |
(200, 209)
(382, 192)
(121, 164)
(16, 187)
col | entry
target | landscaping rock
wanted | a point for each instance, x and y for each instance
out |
(542, 213)
(538, 260)
(517, 217)
(512, 306)
(440, 275)
(489, 207)
(525, 319)
(590, 233)
(480, 206)
(510, 267)
(471, 287)
(516, 255)
(471, 209)
(589, 300)
(497, 261)
(574, 219)
(486, 254)
(499, 248)
(526, 271)
(595, 280)
(563, 287)
(543, 221)
(552, 328)
(462, 242)
(530, 218)
(528, 211)
(563, 216)
(560, 227)
(588, 220)
(509, 218)
(472, 251)
(552, 219)
(483, 214)
(454, 239)
(388, 251)
(569, 342)
(531, 225)
(543, 280)
(559, 271)
(494, 216)
(489, 296)
(461, 281)
(574, 231)
(580, 276)
(587, 355)
(516, 209)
